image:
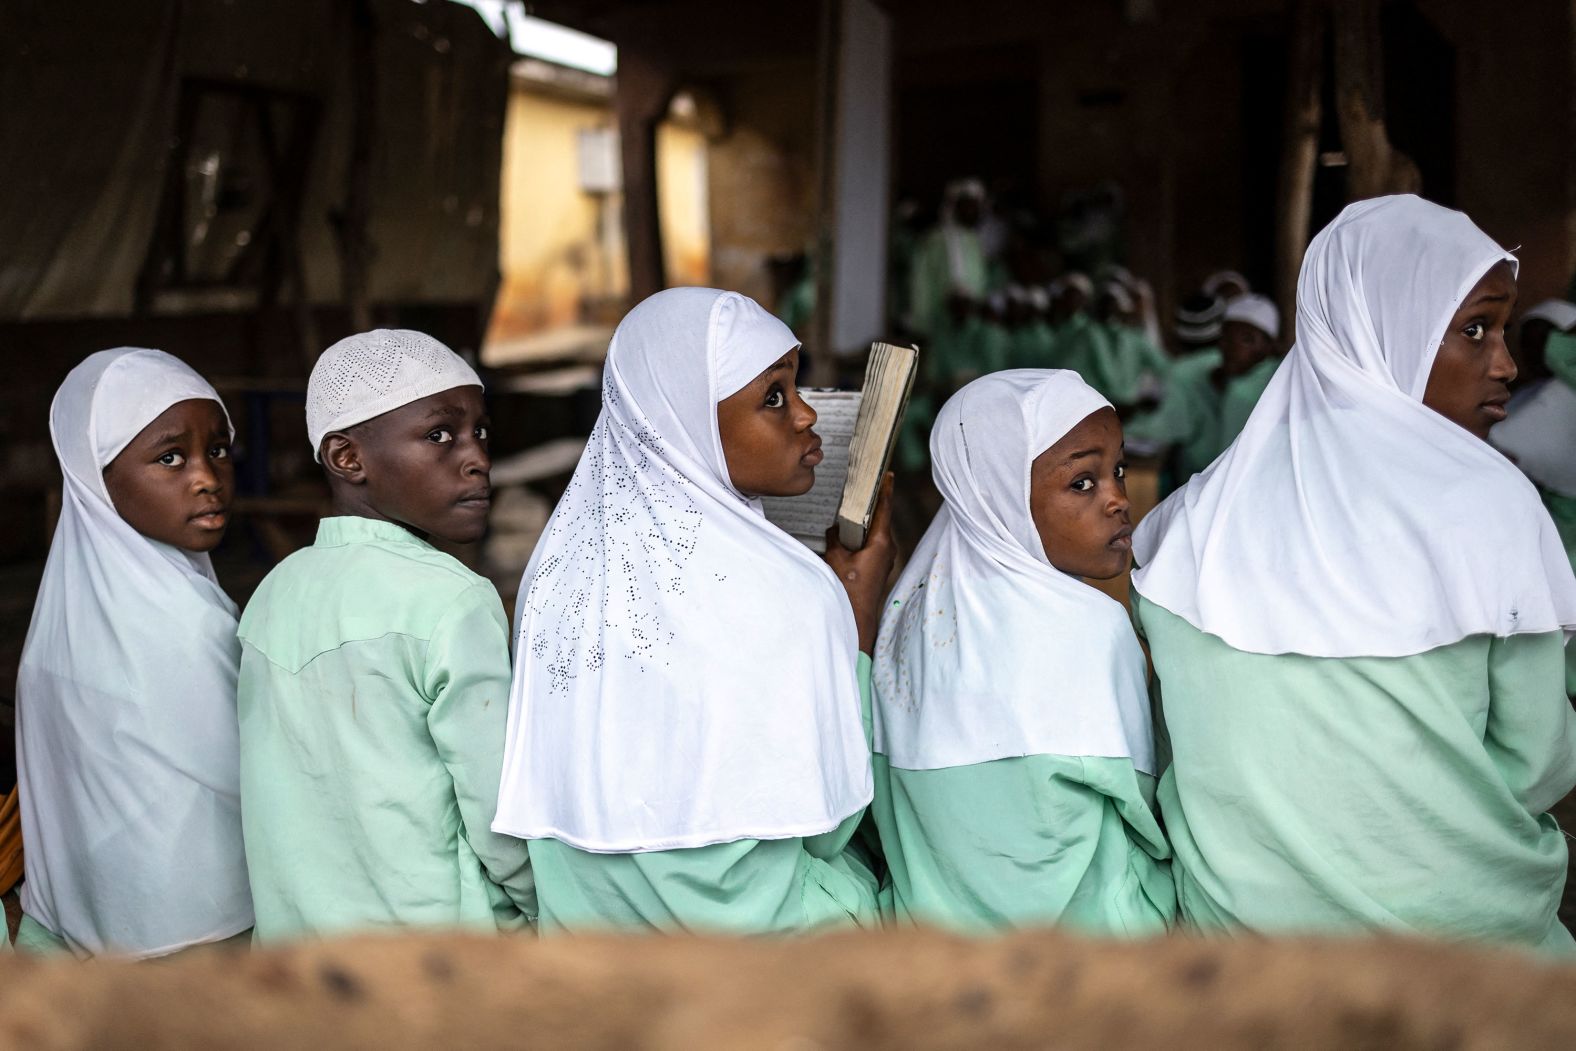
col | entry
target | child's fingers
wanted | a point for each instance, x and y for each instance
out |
(881, 521)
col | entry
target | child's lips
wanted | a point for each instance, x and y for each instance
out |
(480, 500)
(814, 456)
(1123, 540)
(211, 518)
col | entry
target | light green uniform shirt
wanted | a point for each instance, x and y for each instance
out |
(1198, 418)
(1033, 840)
(33, 938)
(1326, 795)
(749, 886)
(374, 692)
(1124, 360)
(1032, 346)
(1563, 510)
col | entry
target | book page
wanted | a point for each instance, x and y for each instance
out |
(807, 518)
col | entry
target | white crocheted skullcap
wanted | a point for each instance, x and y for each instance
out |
(1256, 310)
(371, 373)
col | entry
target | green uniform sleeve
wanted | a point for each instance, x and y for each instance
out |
(926, 292)
(1531, 731)
(1152, 357)
(467, 680)
(1175, 421)
(830, 844)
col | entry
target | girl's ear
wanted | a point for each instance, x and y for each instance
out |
(342, 459)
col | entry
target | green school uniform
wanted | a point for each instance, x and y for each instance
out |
(1032, 346)
(1033, 840)
(1333, 796)
(1197, 417)
(374, 692)
(798, 303)
(34, 939)
(986, 348)
(746, 887)
(1125, 361)
(1563, 510)
(1079, 346)
(943, 340)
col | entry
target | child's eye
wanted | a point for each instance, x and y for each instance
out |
(1083, 485)
(1121, 470)
(441, 436)
(481, 433)
(172, 459)
(220, 452)
(776, 399)
(1474, 331)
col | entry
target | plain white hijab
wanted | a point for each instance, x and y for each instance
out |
(1348, 519)
(987, 651)
(685, 672)
(126, 730)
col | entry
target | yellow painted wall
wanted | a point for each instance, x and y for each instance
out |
(550, 255)
(556, 266)
(681, 204)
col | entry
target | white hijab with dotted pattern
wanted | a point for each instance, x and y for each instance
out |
(685, 672)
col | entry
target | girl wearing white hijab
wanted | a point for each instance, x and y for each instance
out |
(126, 729)
(686, 748)
(1014, 756)
(1358, 613)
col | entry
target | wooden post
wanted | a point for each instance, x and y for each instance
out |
(1300, 152)
(819, 338)
(355, 241)
(641, 100)
(1374, 167)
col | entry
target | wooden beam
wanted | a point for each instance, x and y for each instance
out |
(1300, 151)
(641, 100)
(1374, 167)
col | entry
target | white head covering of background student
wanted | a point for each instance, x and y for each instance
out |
(685, 672)
(954, 233)
(1541, 432)
(1256, 310)
(126, 730)
(1559, 313)
(986, 650)
(1221, 279)
(1348, 519)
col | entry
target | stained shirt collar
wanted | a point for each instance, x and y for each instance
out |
(340, 530)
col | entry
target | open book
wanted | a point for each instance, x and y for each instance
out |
(858, 430)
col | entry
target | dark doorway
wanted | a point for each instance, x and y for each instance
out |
(967, 113)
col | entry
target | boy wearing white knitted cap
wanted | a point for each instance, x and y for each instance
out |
(1210, 394)
(374, 682)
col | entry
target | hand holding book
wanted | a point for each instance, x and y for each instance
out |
(864, 572)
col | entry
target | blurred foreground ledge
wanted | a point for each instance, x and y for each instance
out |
(910, 990)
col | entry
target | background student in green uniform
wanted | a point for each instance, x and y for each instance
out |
(1210, 394)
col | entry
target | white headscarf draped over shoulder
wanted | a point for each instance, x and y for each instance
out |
(986, 650)
(1348, 519)
(685, 672)
(126, 730)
